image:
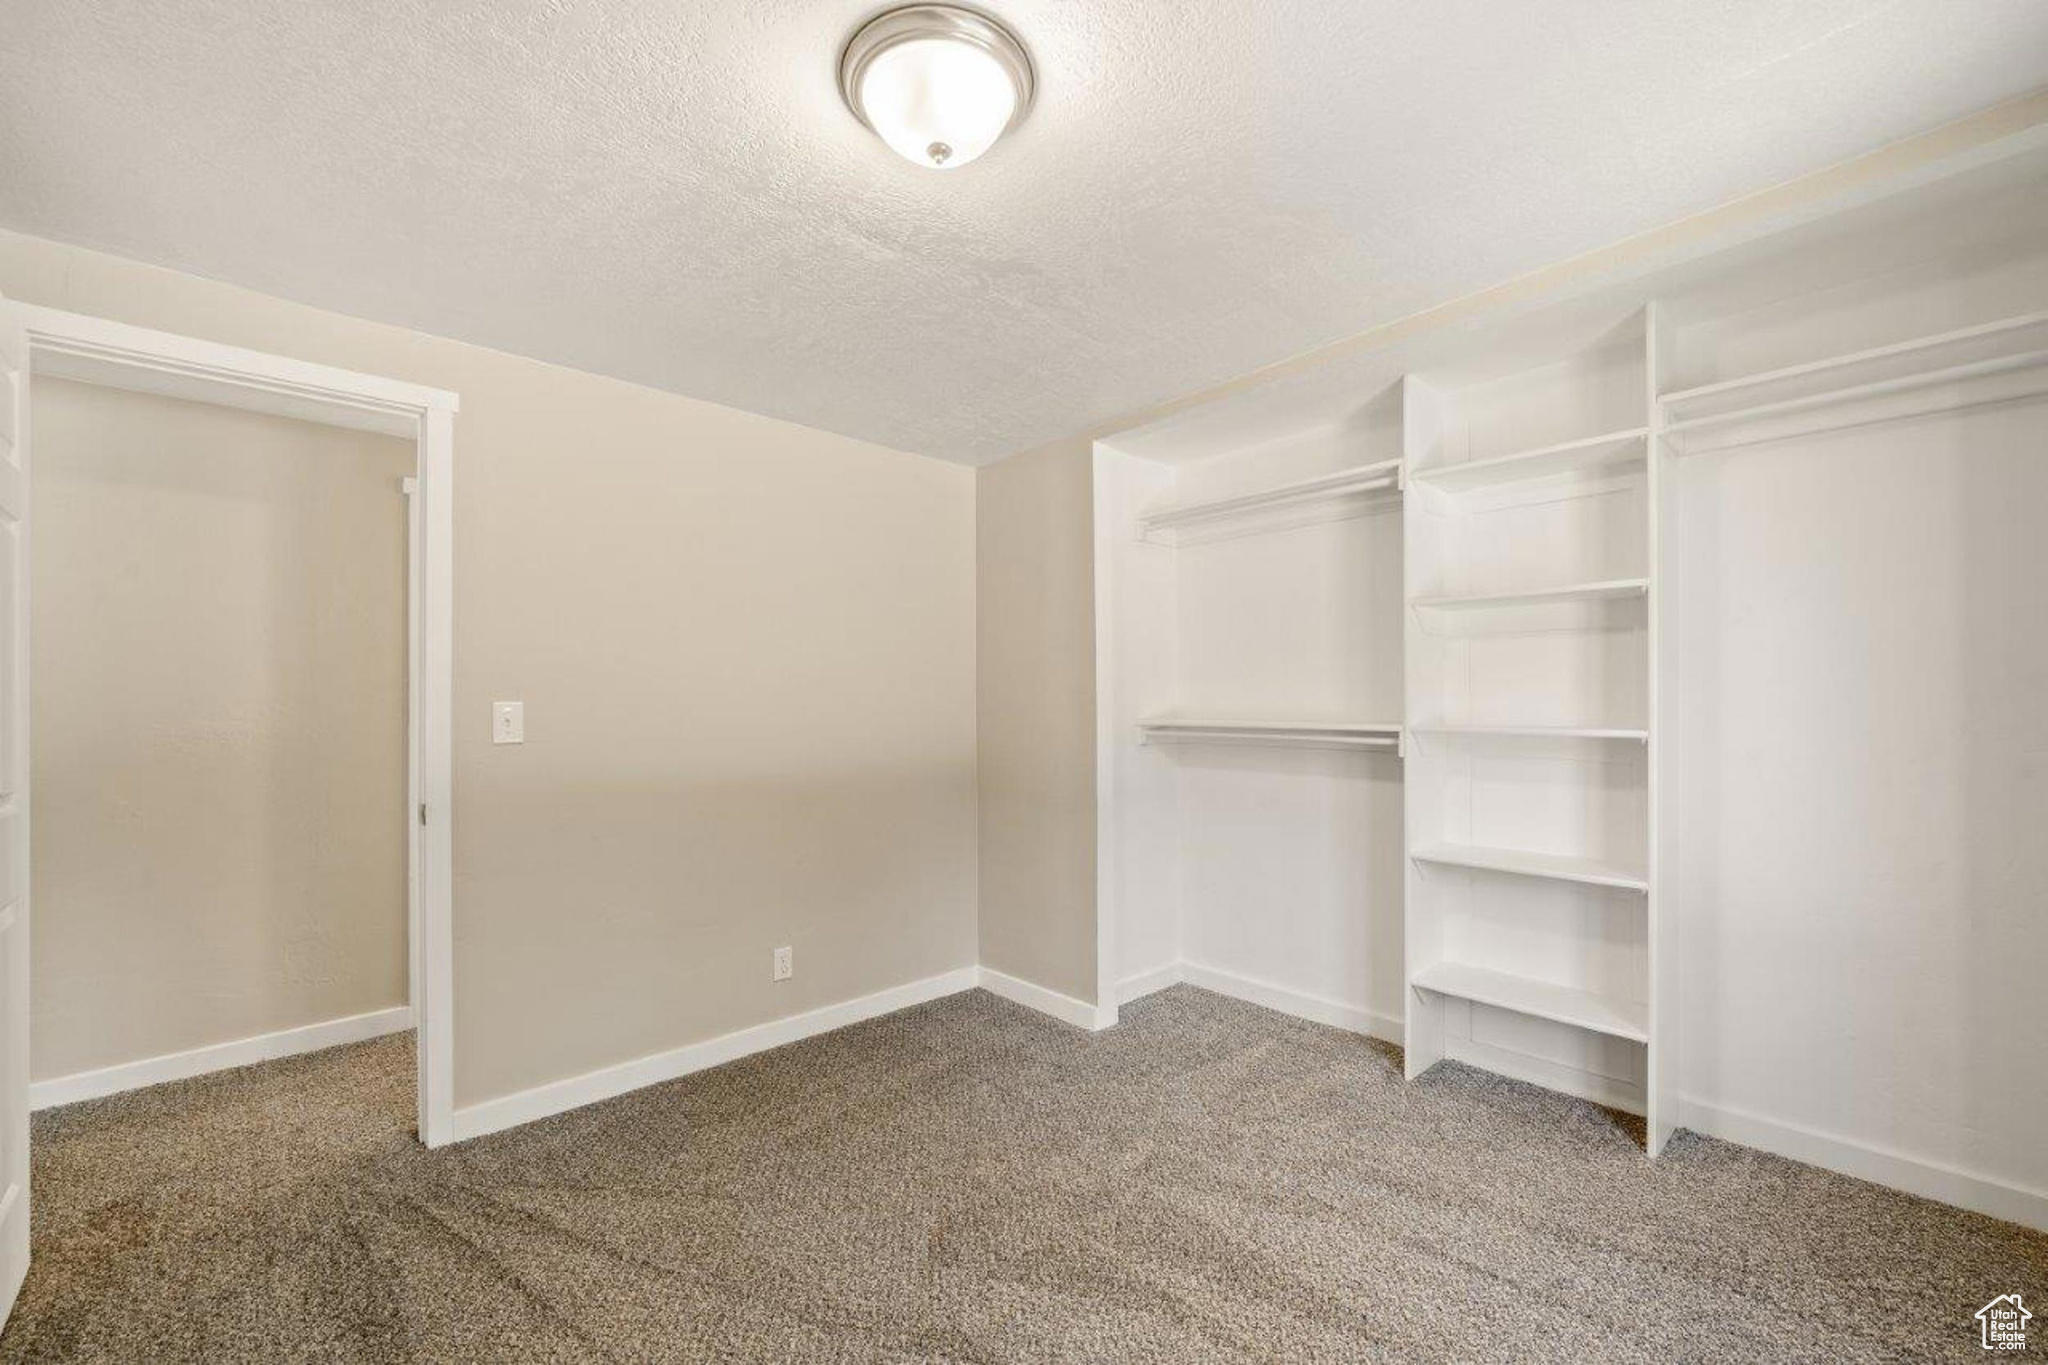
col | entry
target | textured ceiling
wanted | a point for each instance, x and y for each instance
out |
(669, 190)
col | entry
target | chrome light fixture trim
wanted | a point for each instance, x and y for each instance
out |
(925, 23)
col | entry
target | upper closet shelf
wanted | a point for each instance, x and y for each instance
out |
(1381, 479)
(1993, 362)
(1319, 734)
(1576, 592)
(1616, 450)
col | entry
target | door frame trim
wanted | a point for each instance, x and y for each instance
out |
(115, 354)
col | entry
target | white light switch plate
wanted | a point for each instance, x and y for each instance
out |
(508, 722)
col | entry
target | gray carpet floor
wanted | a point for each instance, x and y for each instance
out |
(968, 1181)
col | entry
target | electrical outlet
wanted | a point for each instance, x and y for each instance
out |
(785, 964)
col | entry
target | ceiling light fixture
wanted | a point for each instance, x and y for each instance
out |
(938, 83)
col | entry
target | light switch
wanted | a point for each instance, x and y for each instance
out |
(508, 722)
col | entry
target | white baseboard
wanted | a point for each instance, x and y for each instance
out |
(556, 1097)
(1866, 1161)
(1033, 996)
(178, 1066)
(1300, 1004)
(1565, 1080)
(1138, 985)
(1884, 1166)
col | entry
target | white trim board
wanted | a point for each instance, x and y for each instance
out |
(1300, 1004)
(95, 350)
(573, 1092)
(1280, 999)
(1138, 985)
(200, 1061)
(1045, 1000)
(1866, 1161)
(1576, 1082)
(1913, 1175)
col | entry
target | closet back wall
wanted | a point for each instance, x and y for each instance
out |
(219, 725)
(1863, 763)
(746, 650)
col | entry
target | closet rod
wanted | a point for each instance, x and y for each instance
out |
(1384, 476)
(1704, 439)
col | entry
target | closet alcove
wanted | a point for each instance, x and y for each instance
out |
(1472, 691)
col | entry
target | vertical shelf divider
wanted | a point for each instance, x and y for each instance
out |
(1422, 1012)
(1661, 1085)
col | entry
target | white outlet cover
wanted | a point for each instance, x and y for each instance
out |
(784, 964)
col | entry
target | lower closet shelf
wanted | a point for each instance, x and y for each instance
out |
(1553, 866)
(1543, 999)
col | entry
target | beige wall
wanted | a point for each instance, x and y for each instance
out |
(1036, 680)
(219, 700)
(746, 650)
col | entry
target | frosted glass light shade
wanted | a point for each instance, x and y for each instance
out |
(937, 83)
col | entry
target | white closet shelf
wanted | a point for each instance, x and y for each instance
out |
(1945, 358)
(1575, 592)
(1382, 477)
(1526, 995)
(1551, 866)
(1616, 450)
(1328, 734)
(1534, 732)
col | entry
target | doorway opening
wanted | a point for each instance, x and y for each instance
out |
(217, 715)
(299, 762)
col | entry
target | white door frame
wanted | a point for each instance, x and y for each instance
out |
(74, 346)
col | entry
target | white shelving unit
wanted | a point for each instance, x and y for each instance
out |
(1533, 605)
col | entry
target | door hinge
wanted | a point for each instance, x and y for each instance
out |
(423, 812)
